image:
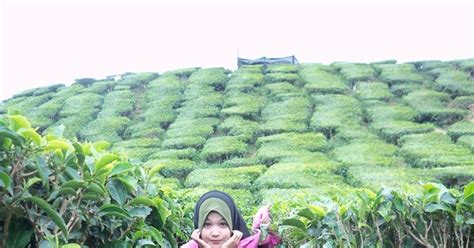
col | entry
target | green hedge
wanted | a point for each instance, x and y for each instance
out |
(434, 150)
(367, 153)
(135, 80)
(220, 148)
(234, 178)
(242, 104)
(463, 102)
(322, 82)
(186, 153)
(244, 82)
(355, 72)
(284, 68)
(216, 77)
(467, 141)
(333, 112)
(431, 106)
(293, 141)
(455, 83)
(461, 128)
(238, 126)
(372, 91)
(390, 112)
(398, 73)
(275, 77)
(172, 168)
(401, 90)
(184, 142)
(299, 175)
(140, 142)
(393, 130)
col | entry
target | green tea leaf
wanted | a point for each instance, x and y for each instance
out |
(55, 217)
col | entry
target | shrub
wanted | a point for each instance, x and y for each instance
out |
(216, 77)
(464, 102)
(184, 142)
(393, 130)
(467, 141)
(431, 107)
(466, 64)
(242, 104)
(89, 105)
(390, 113)
(135, 80)
(281, 77)
(322, 82)
(299, 175)
(220, 148)
(106, 128)
(244, 82)
(433, 150)
(355, 72)
(305, 141)
(234, 178)
(369, 153)
(347, 135)
(401, 90)
(176, 168)
(238, 126)
(455, 83)
(398, 73)
(187, 153)
(141, 130)
(284, 68)
(140, 142)
(387, 218)
(372, 91)
(461, 128)
(333, 112)
(69, 193)
(185, 72)
(137, 153)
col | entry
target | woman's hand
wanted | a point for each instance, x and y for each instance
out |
(233, 242)
(196, 237)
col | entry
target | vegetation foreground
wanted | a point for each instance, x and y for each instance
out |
(349, 155)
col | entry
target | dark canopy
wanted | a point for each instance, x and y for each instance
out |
(267, 61)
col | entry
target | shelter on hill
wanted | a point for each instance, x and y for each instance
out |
(267, 61)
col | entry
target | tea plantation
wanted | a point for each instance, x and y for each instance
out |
(284, 134)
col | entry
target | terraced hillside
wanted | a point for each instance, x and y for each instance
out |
(266, 134)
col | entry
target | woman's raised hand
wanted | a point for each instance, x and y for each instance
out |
(233, 242)
(195, 236)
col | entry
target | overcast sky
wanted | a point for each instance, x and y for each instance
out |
(50, 42)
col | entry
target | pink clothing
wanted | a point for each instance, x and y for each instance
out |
(262, 216)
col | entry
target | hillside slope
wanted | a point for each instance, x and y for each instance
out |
(265, 134)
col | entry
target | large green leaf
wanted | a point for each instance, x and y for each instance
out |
(116, 244)
(55, 217)
(5, 180)
(17, 122)
(117, 191)
(105, 160)
(19, 234)
(42, 169)
(122, 167)
(469, 193)
(295, 223)
(13, 136)
(114, 210)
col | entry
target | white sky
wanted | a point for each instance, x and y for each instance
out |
(48, 42)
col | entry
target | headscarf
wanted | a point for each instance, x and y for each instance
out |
(235, 221)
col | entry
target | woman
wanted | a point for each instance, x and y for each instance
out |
(219, 224)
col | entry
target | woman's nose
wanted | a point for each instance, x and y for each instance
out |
(215, 231)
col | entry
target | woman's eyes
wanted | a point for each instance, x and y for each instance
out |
(221, 224)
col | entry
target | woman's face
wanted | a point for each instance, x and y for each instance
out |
(215, 230)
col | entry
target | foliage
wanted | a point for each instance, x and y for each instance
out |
(235, 178)
(56, 191)
(355, 72)
(220, 148)
(433, 150)
(460, 128)
(398, 73)
(372, 90)
(431, 106)
(434, 217)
